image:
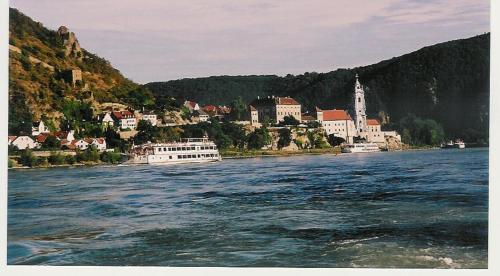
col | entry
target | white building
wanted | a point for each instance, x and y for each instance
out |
(254, 116)
(275, 108)
(24, 142)
(98, 143)
(39, 127)
(369, 129)
(337, 122)
(65, 135)
(192, 106)
(359, 107)
(83, 144)
(107, 120)
(202, 115)
(125, 119)
(150, 117)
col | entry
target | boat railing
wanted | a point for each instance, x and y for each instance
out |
(190, 140)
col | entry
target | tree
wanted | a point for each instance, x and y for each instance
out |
(313, 124)
(27, 158)
(238, 109)
(417, 131)
(236, 134)
(20, 116)
(146, 132)
(51, 142)
(335, 141)
(56, 159)
(259, 138)
(290, 121)
(285, 138)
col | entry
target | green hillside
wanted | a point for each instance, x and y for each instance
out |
(38, 84)
(447, 82)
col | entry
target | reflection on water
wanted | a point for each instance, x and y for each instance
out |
(396, 209)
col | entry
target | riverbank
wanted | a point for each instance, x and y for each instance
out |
(232, 154)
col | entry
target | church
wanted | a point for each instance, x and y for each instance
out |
(369, 129)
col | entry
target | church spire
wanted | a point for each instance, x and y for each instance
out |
(360, 106)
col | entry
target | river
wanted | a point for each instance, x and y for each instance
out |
(411, 209)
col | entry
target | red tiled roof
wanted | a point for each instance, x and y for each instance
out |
(122, 114)
(287, 101)
(40, 138)
(318, 109)
(210, 108)
(223, 109)
(252, 108)
(335, 115)
(191, 103)
(117, 114)
(61, 134)
(372, 122)
(12, 138)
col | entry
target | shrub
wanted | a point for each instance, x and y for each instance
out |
(335, 141)
(70, 159)
(56, 159)
(285, 138)
(110, 157)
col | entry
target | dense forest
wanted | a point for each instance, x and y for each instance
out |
(447, 82)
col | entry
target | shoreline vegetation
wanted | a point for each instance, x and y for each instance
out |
(226, 154)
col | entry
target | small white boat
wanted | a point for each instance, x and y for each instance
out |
(458, 144)
(360, 147)
(188, 150)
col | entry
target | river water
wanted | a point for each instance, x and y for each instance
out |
(414, 209)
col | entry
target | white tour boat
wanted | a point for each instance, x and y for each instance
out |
(458, 144)
(360, 147)
(188, 150)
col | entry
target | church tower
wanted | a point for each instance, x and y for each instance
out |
(360, 107)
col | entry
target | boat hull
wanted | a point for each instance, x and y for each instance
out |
(360, 148)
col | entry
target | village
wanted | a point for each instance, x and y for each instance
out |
(289, 129)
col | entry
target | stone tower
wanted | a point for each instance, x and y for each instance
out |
(360, 107)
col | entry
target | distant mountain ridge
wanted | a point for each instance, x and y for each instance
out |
(447, 82)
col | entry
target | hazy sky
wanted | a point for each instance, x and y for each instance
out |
(155, 40)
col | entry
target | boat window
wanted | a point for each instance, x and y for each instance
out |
(159, 149)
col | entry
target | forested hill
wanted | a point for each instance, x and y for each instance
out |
(447, 82)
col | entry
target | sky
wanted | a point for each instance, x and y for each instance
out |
(159, 40)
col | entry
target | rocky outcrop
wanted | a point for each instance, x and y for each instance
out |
(70, 43)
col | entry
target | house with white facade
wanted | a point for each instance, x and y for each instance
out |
(125, 119)
(85, 143)
(337, 122)
(192, 106)
(39, 127)
(65, 135)
(107, 120)
(275, 109)
(369, 129)
(150, 117)
(98, 143)
(201, 116)
(24, 142)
